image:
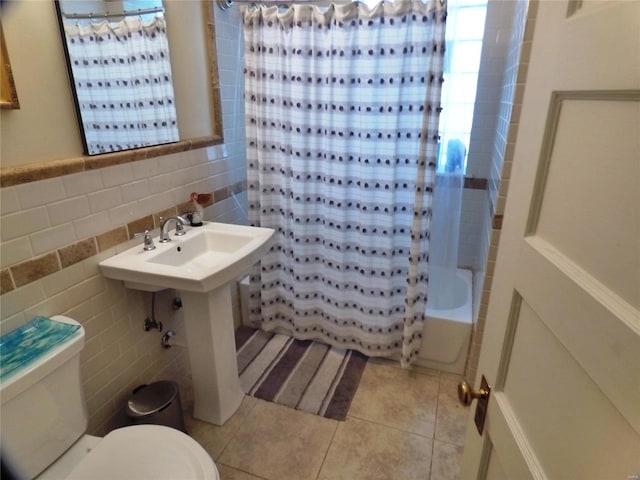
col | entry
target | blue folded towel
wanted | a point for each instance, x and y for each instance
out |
(29, 342)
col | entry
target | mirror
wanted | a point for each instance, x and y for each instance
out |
(117, 52)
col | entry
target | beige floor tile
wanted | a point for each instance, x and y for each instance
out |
(279, 443)
(212, 437)
(366, 451)
(446, 461)
(395, 397)
(451, 420)
(228, 473)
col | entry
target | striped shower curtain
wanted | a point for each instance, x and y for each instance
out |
(342, 107)
(122, 79)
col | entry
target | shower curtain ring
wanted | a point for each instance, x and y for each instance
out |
(225, 4)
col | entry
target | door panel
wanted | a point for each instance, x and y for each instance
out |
(585, 211)
(561, 345)
(557, 399)
(495, 470)
(595, 325)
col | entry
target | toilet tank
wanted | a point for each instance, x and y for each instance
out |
(43, 410)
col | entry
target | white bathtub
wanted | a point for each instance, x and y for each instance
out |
(447, 328)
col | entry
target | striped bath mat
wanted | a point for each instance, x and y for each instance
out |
(302, 374)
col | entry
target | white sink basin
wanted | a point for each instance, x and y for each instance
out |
(203, 259)
(200, 265)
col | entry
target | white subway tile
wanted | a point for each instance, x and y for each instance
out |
(93, 366)
(66, 278)
(96, 325)
(123, 214)
(100, 379)
(11, 323)
(116, 175)
(218, 166)
(135, 190)
(195, 173)
(164, 182)
(204, 185)
(170, 163)
(8, 200)
(105, 199)
(145, 168)
(82, 183)
(20, 299)
(15, 251)
(92, 225)
(191, 158)
(68, 210)
(221, 180)
(52, 238)
(216, 151)
(43, 192)
(175, 196)
(24, 222)
(155, 203)
(199, 156)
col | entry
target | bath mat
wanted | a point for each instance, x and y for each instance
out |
(301, 374)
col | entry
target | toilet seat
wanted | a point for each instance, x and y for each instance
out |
(146, 452)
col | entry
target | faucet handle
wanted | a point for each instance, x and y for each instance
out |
(148, 241)
(182, 221)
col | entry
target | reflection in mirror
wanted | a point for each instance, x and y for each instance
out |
(120, 71)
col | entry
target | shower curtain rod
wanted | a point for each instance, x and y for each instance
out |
(124, 13)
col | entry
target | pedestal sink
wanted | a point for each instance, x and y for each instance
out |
(200, 266)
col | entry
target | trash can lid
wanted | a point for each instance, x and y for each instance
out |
(149, 399)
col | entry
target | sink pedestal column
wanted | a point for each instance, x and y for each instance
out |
(208, 321)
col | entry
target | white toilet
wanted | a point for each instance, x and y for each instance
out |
(43, 423)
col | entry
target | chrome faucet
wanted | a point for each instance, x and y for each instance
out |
(164, 228)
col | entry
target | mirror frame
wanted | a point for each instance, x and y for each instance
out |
(17, 175)
(9, 96)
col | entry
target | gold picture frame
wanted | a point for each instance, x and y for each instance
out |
(8, 93)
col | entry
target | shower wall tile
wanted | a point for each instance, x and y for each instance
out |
(517, 58)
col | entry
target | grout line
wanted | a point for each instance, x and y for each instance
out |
(435, 426)
(240, 425)
(397, 429)
(326, 453)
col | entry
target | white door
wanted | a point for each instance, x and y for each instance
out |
(561, 348)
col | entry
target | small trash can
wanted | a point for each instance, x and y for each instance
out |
(158, 404)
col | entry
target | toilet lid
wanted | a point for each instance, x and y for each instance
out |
(146, 452)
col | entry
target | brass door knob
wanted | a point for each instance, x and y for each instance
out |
(466, 394)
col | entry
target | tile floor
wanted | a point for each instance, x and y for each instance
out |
(401, 425)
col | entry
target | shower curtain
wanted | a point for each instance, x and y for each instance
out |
(445, 226)
(342, 109)
(122, 77)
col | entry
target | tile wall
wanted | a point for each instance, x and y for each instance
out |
(521, 15)
(477, 209)
(55, 231)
